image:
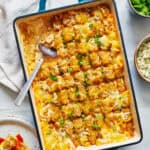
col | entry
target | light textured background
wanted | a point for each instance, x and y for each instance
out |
(134, 29)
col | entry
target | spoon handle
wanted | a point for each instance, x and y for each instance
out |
(27, 85)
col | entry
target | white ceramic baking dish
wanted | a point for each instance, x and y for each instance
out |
(138, 132)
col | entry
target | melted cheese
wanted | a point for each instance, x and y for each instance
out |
(81, 96)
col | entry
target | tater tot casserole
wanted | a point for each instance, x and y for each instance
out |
(81, 95)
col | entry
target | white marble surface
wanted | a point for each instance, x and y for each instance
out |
(134, 28)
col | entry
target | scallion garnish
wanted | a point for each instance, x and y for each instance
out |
(95, 126)
(62, 122)
(70, 116)
(52, 77)
(97, 40)
(91, 25)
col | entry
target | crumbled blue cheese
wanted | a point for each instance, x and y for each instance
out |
(143, 59)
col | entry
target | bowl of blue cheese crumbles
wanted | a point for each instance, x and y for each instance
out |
(142, 58)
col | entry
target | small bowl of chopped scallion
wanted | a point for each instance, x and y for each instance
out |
(142, 58)
(140, 7)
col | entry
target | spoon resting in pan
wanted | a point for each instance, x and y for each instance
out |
(45, 52)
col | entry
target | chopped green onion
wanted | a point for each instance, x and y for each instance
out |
(100, 117)
(87, 39)
(81, 63)
(70, 116)
(85, 79)
(96, 35)
(90, 25)
(95, 126)
(52, 77)
(97, 40)
(79, 56)
(86, 74)
(62, 122)
(120, 98)
(98, 103)
(65, 45)
(69, 70)
(85, 84)
(77, 94)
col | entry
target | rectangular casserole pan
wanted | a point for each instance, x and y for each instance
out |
(138, 132)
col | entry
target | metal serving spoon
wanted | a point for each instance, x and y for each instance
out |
(46, 52)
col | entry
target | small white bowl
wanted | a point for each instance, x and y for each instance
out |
(145, 39)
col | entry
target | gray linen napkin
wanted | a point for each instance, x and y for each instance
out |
(11, 74)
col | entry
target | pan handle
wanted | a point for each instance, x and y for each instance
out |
(42, 4)
(82, 1)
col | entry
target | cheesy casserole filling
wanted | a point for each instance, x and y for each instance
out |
(81, 96)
